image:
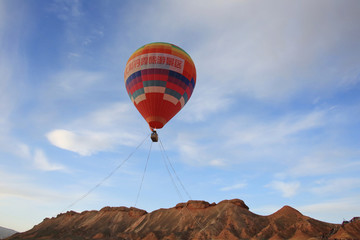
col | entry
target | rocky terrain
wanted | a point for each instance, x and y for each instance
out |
(200, 220)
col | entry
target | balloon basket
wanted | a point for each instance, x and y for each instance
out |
(154, 136)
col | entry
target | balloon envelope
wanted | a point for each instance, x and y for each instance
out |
(160, 79)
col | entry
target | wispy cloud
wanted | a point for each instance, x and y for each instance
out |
(100, 130)
(257, 54)
(323, 162)
(193, 152)
(42, 162)
(15, 147)
(113, 115)
(234, 187)
(84, 144)
(287, 189)
(75, 81)
(69, 87)
(21, 186)
(66, 9)
(7, 62)
(77, 39)
(245, 138)
(335, 210)
(335, 186)
(273, 131)
(12, 67)
(209, 102)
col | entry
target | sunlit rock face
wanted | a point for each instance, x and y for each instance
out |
(200, 220)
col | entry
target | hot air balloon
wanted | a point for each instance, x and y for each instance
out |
(159, 78)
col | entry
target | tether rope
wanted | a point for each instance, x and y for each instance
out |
(170, 175)
(107, 177)
(201, 226)
(173, 169)
(167, 163)
(142, 179)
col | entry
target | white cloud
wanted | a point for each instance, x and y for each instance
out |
(66, 9)
(313, 165)
(335, 186)
(190, 150)
(7, 99)
(115, 114)
(193, 152)
(11, 77)
(322, 162)
(201, 106)
(287, 189)
(234, 187)
(77, 38)
(41, 162)
(26, 201)
(5, 91)
(218, 162)
(101, 130)
(15, 147)
(85, 144)
(266, 50)
(246, 138)
(257, 133)
(255, 49)
(21, 186)
(74, 82)
(335, 210)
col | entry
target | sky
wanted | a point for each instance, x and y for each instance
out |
(274, 118)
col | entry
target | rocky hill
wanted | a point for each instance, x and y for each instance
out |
(200, 220)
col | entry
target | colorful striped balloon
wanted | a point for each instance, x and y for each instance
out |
(159, 78)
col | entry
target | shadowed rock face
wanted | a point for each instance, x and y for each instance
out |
(200, 220)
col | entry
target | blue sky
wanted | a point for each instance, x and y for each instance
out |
(274, 119)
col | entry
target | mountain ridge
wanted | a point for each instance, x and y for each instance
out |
(6, 232)
(198, 220)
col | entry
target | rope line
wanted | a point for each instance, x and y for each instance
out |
(201, 226)
(170, 175)
(142, 179)
(107, 177)
(177, 177)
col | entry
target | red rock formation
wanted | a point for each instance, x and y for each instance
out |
(198, 220)
(348, 230)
